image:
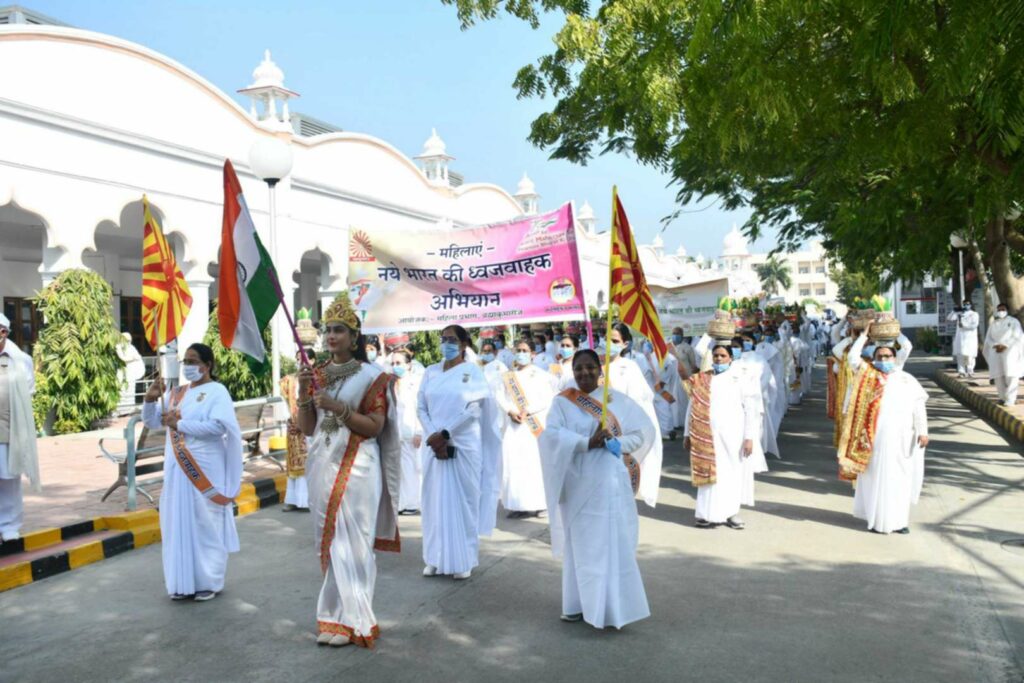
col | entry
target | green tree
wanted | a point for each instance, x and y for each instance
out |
(881, 127)
(234, 370)
(855, 285)
(76, 354)
(774, 275)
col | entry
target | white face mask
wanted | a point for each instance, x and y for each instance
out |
(1000, 314)
(193, 373)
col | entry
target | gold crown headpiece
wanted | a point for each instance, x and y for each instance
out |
(341, 311)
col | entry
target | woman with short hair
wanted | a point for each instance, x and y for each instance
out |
(202, 476)
(460, 482)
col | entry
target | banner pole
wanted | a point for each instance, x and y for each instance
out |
(608, 329)
(291, 323)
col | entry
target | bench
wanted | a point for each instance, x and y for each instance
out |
(143, 456)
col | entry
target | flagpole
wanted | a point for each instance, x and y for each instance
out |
(159, 363)
(291, 322)
(608, 328)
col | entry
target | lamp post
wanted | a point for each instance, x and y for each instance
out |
(959, 243)
(270, 159)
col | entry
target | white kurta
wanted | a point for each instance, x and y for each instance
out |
(627, 377)
(459, 494)
(1009, 363)
(753, 364)
(197, 534)
(522, 482)
(593, 518)
(668, 377)
(735, 417)
(895, 474)
(777, 404)
(409, 428)
(18, 456)
(965, 341)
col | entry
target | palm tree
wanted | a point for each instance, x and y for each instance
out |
(774, 275)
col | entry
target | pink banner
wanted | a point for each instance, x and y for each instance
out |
(521, 271)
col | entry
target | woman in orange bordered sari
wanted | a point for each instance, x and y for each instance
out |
(354, 475)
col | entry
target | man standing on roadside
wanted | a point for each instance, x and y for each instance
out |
(965, 343)
(1002, 351)
(17, 432)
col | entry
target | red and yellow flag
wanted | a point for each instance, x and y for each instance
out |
(166, 299)
(628, 286)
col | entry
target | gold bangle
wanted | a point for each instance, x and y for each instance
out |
(304, 404)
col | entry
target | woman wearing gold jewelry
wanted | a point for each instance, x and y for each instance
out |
(354, 475)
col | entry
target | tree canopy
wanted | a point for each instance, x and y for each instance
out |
(879, 126)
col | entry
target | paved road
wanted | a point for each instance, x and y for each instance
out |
(803, 594)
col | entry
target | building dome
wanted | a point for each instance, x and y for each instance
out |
(735, 244)
(586, 212)
(658, 243)
(434, 146)
(267, 74)
(525, 187)
(681, 251)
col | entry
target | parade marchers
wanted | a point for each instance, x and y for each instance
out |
(374, 435)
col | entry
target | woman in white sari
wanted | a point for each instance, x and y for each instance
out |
(407, 387)
(460, 482)
(354, 472)
(197, 522)
(590, 485)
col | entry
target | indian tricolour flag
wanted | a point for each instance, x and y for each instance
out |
(248, 291)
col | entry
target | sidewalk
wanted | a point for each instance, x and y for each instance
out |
(980, 395)
(75, 475)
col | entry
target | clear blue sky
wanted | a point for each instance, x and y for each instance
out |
(394, 69)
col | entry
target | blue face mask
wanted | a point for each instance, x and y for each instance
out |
(371, 355)
(719, 368)
(677, 339)
(748, 346)
(538, 348)
(487, 357)
(869, 351)
(523, 358)
(584, 344)
(736, 353)
(499, 344)
(614, 349)
(449, 351)
(558, 337)
(648, 347)
(398, 370)
(565, 351)
(886, 366)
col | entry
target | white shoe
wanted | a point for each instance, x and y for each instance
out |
(324, 639)
(429, 571)
(203, 596)
(462, 576)
(339, 641)
(12, 536)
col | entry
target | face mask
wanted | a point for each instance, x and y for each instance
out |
(193, 373)
(522, 358)
(615, 349)
(398, 370)
(648, 347)
(487, 357)
(538, 348)
(371, 355)
(1000, 314)
(869, 351)
(558, 337)
(748, 346)
(565, 351)
(719, 368)
(498, 344)
(967, 307)
(736, 353)
(584, 344)
(677, 339)
(886, 366)
(449, 351)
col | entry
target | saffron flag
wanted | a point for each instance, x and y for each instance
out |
(628, 286)
(248, 292)
(166, 299)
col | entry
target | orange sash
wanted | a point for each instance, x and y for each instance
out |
(519, 396)
(830, 388)
(702, 441)
(858, 435)
(188, 464)
(593, 408)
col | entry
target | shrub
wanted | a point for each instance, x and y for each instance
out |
(928, 339)
(242, 377)
(76, 354)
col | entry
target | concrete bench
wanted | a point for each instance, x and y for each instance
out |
(140, 461)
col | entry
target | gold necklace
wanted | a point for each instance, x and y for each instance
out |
(337, 374)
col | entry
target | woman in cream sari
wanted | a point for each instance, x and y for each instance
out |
(354, 476)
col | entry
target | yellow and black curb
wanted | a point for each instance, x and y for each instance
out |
(988, 408)
(97, 539)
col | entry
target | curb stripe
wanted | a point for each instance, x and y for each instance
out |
(992, 411)
(139, 529)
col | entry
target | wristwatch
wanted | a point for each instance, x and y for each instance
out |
(447, 436)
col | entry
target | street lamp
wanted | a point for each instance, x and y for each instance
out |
(270, 158)
(959, 243)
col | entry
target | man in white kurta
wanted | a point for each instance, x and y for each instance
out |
(894, 476)
(525, 396)
(776, 403)
(593, 516)
(753, 364)
(965, 340)
(18, 457)
(735, 423)
(410, 434)
(1004, 343)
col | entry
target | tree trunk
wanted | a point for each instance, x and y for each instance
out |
(982, 268)
(1009, 287)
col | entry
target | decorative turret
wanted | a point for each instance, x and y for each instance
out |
(587, 219)
(434, 158)
(526, 195)
(268, 91)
